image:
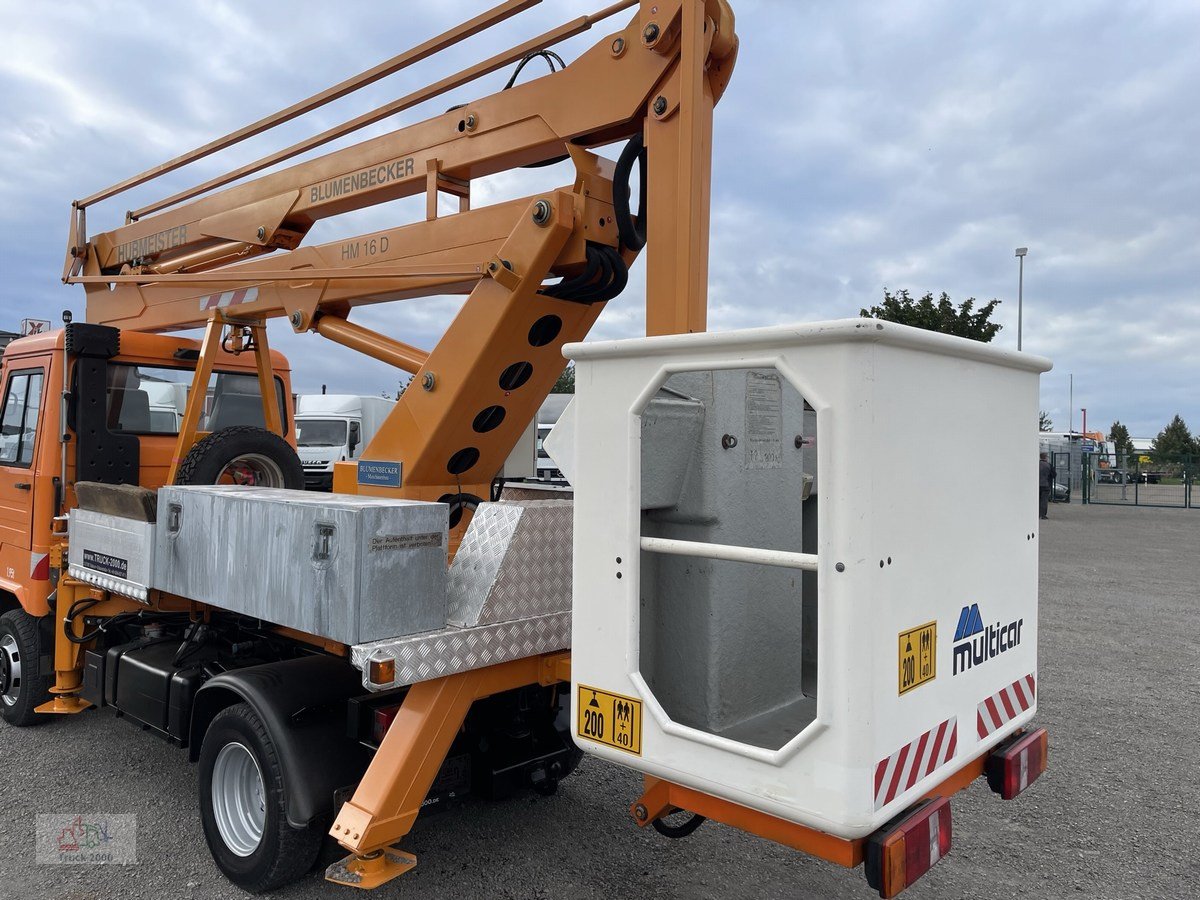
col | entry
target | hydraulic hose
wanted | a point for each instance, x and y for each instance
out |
(604, 277)
(632, 229)
(569, 286)
(682, 830)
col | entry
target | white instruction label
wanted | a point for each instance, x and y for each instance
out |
(764, 421)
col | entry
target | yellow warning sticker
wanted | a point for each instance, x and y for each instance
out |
(918, 656)
(610, 719)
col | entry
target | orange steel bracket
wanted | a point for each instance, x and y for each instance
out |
(679, 156)
(266, 379)
(68, 670)
(662, 798)
(388, 799)
(209, 348)
(484, 366)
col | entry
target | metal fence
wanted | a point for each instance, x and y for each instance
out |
(1141, 480)
(1068, 475)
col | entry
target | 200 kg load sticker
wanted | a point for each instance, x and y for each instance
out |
(610, 719)
(918, 656)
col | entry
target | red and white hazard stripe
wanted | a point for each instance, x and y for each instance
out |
(1004, 706)
(912, 762)
(39, 566)
(229, 298)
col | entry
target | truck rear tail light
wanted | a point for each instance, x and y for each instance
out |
(1016, 764)
(905, 849)
(382, 721)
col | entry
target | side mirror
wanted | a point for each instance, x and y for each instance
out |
(355, 436)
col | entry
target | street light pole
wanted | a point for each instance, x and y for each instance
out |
(1021, 251)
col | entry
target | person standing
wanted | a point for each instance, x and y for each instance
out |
(1045, 485)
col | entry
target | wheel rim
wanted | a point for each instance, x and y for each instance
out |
(238, 799)
(252, 469)
(10, 670)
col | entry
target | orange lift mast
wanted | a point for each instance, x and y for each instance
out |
(216, 252)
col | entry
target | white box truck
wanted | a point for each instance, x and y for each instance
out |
(331, 428)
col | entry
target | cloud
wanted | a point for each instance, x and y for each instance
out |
(908, 144)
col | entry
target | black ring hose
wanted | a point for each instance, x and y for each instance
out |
(595, 292)
(620, 277)
(549, 55)
(605, 276)
(632, 229)
(568, 286)
(621, 270)
(675, 832)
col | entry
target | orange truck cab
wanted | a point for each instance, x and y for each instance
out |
(112, 419)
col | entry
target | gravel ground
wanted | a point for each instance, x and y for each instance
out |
(1114, 817)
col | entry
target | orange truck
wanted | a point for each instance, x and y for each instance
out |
(103, 417)
(338, 664)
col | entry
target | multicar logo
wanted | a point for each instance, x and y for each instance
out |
(975, 643)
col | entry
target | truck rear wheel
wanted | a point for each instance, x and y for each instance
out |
(242, 454)
(23, 684)
(243, 806)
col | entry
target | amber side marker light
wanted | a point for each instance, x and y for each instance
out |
(906, 848)
(1017, 763)
(382, 671)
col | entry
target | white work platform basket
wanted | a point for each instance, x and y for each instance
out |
(805, 561)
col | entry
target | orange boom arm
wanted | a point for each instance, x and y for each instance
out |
(239, 251)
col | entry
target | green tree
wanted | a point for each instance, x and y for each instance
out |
(1045, 423)
(566, 381)
(1122, 444)
(940, 315)
(1174, 441)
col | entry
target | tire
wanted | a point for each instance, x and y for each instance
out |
(236, 749)
(23, 684)
(258, 457)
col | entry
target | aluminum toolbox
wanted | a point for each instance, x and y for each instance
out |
(112, 552)
(346, 568)
(508, 595)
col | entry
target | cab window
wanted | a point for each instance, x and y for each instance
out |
(18, 426)
(152, 400)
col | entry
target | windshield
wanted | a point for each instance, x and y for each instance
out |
(320, 433)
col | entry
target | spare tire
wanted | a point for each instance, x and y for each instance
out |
(242, 454)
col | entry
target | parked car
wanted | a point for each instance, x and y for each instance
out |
(1112, 476)
(1060, 491)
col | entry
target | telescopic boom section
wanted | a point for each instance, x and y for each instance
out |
(239, 249)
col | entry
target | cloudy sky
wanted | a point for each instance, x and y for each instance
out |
(861, 145)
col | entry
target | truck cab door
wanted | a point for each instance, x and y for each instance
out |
(24, 390)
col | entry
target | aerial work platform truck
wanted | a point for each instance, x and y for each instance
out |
(737, 601)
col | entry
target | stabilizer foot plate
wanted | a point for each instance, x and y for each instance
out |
(371, 870)
(63, 705)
